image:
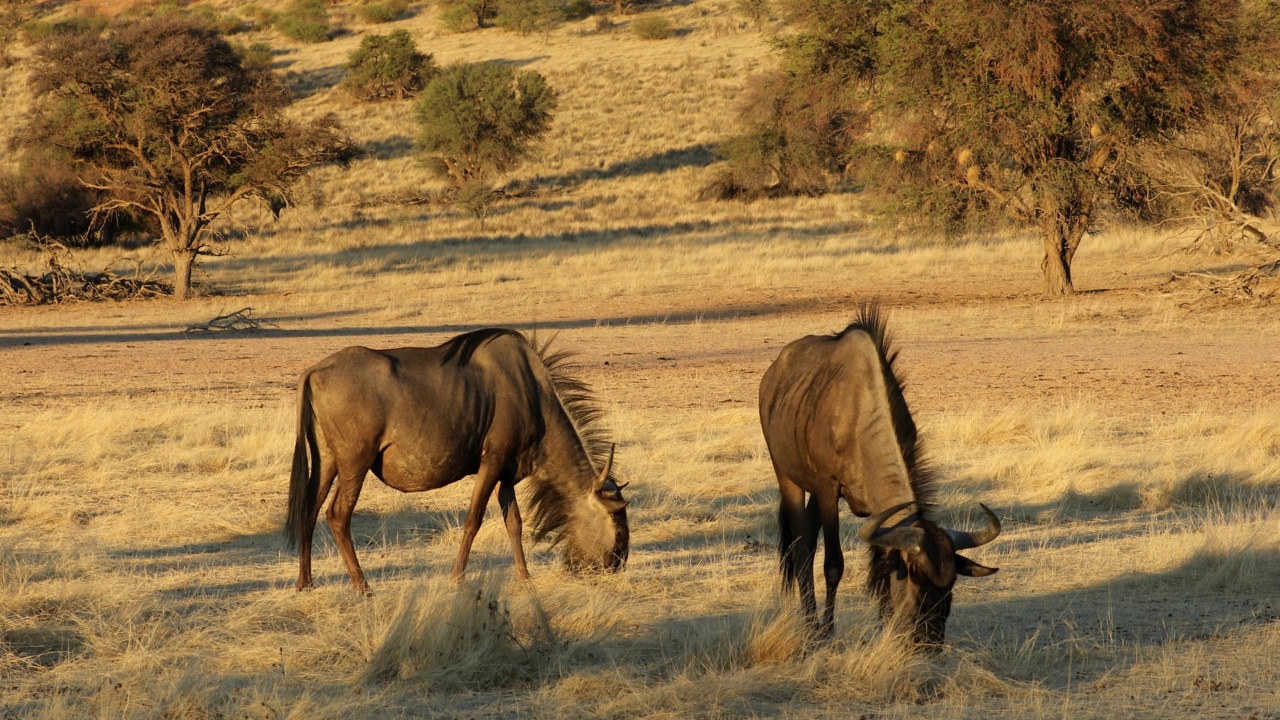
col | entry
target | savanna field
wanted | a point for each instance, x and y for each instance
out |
(1129, 437)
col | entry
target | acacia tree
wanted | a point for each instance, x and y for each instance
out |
(1023, 108)
(13, 13)
(1224, 172)
(163, 118)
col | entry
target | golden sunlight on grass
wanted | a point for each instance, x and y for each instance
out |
(1128, 440)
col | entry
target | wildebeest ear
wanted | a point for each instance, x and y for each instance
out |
(613, 503)
(965, 566)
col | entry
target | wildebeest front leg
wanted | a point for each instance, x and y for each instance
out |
(511, 514)
(828, 511)
(486, 480)
(327, 472)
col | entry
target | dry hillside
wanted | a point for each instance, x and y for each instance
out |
(1130, 440)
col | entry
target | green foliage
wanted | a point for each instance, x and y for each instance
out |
(456, 17)
(37, 31)
(796, 137)
(1030, 106)
(256, 58)
(577, 9)
(46, 197)
(464, 15)
(757, 11)
(476, 198)
(258, 14)
(225, 23)
(189, 130)
(653, 27)
(381, 11)
(387, 66)
(530, 16)
(305, 21)
(626, 7)
(13, 13)
(479, 120)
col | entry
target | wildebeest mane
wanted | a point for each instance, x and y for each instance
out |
(550, 506)
(872, 320)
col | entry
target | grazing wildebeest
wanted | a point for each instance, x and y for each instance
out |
(487, 403)
(837, 426)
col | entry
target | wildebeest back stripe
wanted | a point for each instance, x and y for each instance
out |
(463, 347)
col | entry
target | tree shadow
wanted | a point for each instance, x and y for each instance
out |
(391, 147)
(420, 256)
(306, 83)
(1118, 620)
(56, 336)
(698, 155)
(518, 62)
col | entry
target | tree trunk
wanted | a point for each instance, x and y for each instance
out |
(183, 261)
(1056, 267)
(1061, 238)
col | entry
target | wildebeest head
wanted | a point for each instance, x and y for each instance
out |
(597, 536)
(914, 565)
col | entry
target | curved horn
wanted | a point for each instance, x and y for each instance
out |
(906, 539)
(964, 540)
(871, 527)
(608, 465)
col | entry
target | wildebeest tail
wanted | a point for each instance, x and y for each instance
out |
(785, 539)
(304, 481)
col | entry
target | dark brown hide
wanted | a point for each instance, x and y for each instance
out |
(837, 426)
(485, 403)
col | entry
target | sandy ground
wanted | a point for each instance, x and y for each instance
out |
(680, 358)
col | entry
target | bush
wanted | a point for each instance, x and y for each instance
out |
(381, 11)
(796, 136)
(530, 16)
(457, 18)
(653, 27)
(225, 23)
(757, 11)
(386, 66)
(257, 57)
(477, 14)
(258, 14)
(46, 197)
(304, 21)
(476, 199)
(37, 31)
(480, 119)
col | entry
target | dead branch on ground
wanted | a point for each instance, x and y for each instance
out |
(61, 282)
(238, 321)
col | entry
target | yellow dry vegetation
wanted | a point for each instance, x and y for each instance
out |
(1129, 439)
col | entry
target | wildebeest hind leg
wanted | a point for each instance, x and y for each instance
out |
(511, 514)
(347, 492)
(328, 470)
(797, 555)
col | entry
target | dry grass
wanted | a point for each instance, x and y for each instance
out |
(1124, 437)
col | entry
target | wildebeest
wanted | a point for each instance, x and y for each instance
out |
(487, 403)
(837, 426)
